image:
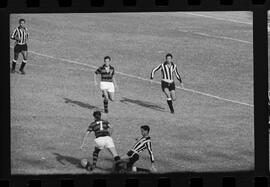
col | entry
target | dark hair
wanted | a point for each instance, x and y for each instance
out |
(20, 20)
(169, 54)
(107, 57)
(145, 127)
(97, 114)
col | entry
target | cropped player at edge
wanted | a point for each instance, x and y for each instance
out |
(107, 83)
(103, 131)
(167, 83)
(132, 155)
(20, 35)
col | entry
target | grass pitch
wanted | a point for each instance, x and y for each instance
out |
(52, 105)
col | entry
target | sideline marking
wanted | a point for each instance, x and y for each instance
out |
(212, 17)
(140, 78)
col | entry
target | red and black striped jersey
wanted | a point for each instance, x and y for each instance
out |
(20, 34)
(100, 128)
(106, 73)
(142, 144)
(167, 72)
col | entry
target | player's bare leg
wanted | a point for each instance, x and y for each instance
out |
(114, 153)
(111, 96)
(105, 100)
(14, 61)
(25, 55)
(172, 93)
(169, 99)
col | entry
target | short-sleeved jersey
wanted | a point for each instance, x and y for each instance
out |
(142, 144)
(106, 73)
(21, 35)
(100, 128)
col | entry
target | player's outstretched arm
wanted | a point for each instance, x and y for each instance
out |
(84, 139)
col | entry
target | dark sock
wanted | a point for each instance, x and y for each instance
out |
(169, 101)
(13, 65)
(105, 101)
(116, 158)
(22, 66)
(95, 156)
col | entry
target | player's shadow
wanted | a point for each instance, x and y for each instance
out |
(81, 104)
(146, 104)
(62, 159)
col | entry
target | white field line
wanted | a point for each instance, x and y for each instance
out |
(212, 17)
(144, 79)
(217, 37)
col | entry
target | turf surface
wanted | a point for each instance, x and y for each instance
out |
(51, 105)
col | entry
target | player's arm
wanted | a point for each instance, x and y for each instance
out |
(113, 79)
(110, 129)
(149, 148)
(95, 75)
(85, 137)
(14, 35)
(178, 76)
(154, 71)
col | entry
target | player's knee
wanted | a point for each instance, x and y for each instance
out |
(97, 150)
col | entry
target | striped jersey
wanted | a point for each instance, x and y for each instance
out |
(106, 73)
(20, 34)
(100, 128)
(142, 144)
(167, 72)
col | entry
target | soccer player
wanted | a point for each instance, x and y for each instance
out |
(20, 35)
(103, 131)
(143, 143)
(107, 83)
(167, 83)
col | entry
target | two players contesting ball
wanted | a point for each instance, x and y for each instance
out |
(103, 131)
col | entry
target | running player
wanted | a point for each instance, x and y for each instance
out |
(107, 83)
(103, 131)
(143, 143)
(167, 83)
(20, 35)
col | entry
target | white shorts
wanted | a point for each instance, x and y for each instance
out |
(108, 86)
(104, 142)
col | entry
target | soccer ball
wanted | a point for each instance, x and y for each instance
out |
(134, 168)
(84, 162)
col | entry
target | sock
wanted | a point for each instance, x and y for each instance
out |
(95, 156)
(13, 64)
(169, 101)
(105, 101)
(22, 65)
(116, 158)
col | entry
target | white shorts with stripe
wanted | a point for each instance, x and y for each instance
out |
(108, 86)
(104, 142)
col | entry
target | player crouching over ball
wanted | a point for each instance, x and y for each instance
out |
(103, 131)
(127, 161)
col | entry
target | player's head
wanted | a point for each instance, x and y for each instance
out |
(169, 57)
(107, 60)
(145, 129)
(97, 115)
(22, 22)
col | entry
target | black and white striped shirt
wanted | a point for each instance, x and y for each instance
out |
(167, 72)
(142, 144)
(20, 34)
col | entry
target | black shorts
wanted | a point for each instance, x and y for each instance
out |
(19, 48)
(133, 157)
(170, 86)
